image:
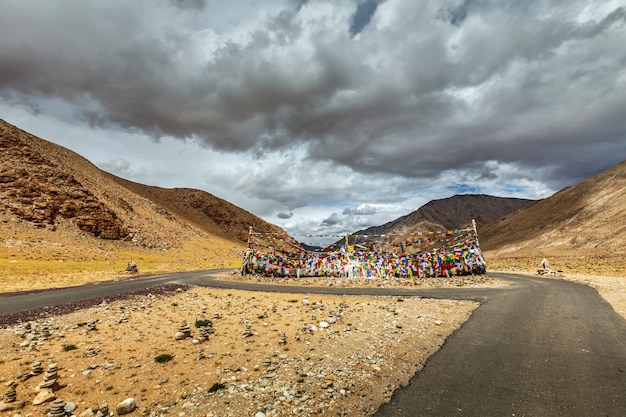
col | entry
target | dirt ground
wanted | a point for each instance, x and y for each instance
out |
(266, 354)
(338, 355)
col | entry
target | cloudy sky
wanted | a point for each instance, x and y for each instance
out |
(324, 116)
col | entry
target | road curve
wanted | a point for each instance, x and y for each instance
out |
(544, 348)
(536, 347)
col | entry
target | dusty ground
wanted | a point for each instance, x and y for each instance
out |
(372, 345)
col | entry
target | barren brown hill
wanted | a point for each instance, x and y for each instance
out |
(57, 206)
(584, 222)
(451, 213)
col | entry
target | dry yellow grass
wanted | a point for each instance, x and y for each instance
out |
(38, 259)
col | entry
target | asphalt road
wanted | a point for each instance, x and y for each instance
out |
(536, 348)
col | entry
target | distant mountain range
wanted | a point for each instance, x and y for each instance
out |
(46, 189)
(452, 213)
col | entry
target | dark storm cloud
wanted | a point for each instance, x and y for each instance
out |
(424, 89)
(363, 15)
(332, 220)
(189, 4)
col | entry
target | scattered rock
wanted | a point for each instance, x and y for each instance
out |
(70, 407)
(125, 407)
(44, 396)
(15, 405)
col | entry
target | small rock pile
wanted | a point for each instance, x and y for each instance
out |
(184, 331)
(57, 408)
(247, 332)
(10, 401)
(50, 377)
(203, 334)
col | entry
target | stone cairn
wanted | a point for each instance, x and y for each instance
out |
(103, 411)
(203, 334)
(45, 332)
(57, 408)
(50, 377)
(247, 333)
(11, 394)
(132, 267)
(91, 352)
(35, 369)
(282, 340)
(184, 331)
(91, 325)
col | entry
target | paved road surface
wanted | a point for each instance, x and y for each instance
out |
(537, 348)
(544, 348)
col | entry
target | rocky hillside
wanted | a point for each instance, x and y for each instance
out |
(587, 219)
(44, 186)
(453, 213)
(449, 213)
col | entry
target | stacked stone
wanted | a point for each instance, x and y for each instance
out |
(247, 333)
(10, 401)
(91, 352)
(91, 325)
(103, 411)
(184, 331)
(203, 334)
(45, 332)
(201, 354)
(57, 408)
(11, 394)
(216, 316)
(267, 361)
(282, 340)
(36, 368)
(50, 377)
